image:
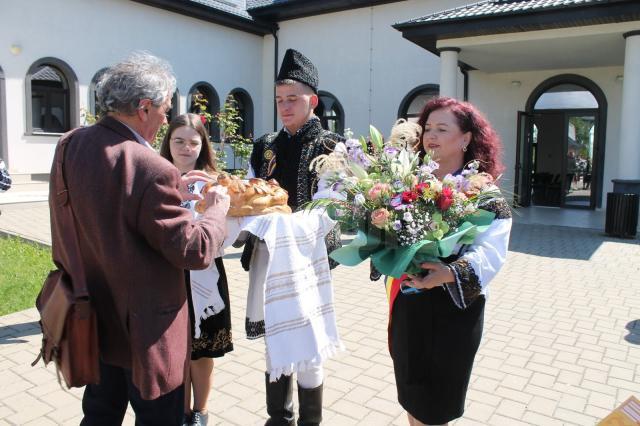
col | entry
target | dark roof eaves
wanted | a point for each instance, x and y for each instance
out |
(287, 10)
(214, 15)
(526, 12)
(426, 34)
(532, 15)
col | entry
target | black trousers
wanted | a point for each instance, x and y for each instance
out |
(106, 403)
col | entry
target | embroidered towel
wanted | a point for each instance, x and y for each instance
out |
(205, 294)
(290, 290)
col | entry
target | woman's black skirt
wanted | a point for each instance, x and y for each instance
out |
(433, 344)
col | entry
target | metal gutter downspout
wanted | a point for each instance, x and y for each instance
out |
(274, 32)
(465, 74)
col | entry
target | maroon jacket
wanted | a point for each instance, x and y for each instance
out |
(135, 242)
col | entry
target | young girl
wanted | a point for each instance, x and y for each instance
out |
(186, 145)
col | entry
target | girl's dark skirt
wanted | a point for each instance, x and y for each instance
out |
(433, 344)
(215, 332)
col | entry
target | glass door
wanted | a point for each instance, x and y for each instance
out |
(581, 131)
(522, 181)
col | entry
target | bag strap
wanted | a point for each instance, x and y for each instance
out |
(75, 266)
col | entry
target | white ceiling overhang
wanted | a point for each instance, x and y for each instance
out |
(576, 47)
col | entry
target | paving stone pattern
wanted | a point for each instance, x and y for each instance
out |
(561, 343)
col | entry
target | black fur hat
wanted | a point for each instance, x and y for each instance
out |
(296, 66)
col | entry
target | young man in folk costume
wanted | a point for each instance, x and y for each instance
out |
(286, 156)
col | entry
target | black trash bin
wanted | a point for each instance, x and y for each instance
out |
(622, 214)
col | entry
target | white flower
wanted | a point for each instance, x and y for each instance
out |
(407, 217)
(359, 199)
(340, 148)
(348, 133)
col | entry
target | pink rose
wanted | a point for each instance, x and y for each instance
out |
(377, 190)
(379, 217)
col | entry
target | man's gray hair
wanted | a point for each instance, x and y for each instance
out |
(140, 76)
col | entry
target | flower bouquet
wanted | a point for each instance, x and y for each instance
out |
(404, 215)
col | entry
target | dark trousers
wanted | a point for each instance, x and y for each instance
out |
(105, 404)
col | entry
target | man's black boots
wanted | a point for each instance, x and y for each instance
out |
(279, 401)
(310, 402)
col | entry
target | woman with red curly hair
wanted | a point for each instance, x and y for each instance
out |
(436, 327)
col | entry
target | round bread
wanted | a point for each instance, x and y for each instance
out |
(249, 198)
(251, 211)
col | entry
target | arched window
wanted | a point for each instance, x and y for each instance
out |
(415, 100)
(330, 112)
(244, 105)
(94, 108)
(175, 106)
(51, 93)
(203, 95)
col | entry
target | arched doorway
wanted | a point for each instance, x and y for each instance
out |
(560, 152)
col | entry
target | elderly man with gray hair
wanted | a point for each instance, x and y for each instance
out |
(134, 241)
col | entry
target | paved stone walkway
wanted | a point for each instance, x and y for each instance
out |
(561, 344)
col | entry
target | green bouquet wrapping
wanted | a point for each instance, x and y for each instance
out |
(394, 260)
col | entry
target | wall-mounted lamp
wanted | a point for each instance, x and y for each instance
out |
(15, 49)
(516, 83)
(619, 78)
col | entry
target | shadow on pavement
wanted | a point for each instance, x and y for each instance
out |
(559, 242)
(11, 333)
(634, 332)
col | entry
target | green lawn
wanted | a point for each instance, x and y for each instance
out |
(23, 268)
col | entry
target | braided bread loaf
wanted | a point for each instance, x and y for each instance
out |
(250, 198)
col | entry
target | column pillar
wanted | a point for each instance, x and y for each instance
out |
(449, 71)
(629, 155)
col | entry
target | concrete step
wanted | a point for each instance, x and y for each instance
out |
(29, 187)
(20, 178)
(29, 182)
(26, 188)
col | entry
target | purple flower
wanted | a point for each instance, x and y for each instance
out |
(391, 151)
(352, 143)
(397, 225)
(362, 159)
(428, 169)
(396, 201)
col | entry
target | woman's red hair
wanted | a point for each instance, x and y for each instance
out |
(485, 143)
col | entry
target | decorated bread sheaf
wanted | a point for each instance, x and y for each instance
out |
(249, 198)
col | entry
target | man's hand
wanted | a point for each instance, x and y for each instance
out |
(217, 196)
(192, 177)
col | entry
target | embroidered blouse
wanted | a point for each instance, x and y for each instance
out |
(481, 261)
